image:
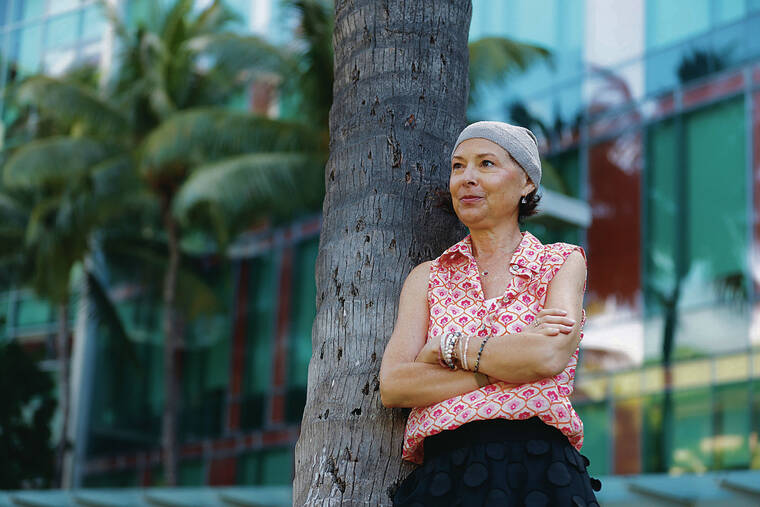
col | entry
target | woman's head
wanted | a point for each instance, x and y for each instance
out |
(495, 173)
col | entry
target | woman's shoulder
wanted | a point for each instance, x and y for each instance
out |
(560, 251)
(419, 274)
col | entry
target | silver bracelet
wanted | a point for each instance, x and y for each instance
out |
(463, 359)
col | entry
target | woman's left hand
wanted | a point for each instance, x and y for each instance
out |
(429, 353)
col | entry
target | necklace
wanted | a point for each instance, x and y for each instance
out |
(485, 273)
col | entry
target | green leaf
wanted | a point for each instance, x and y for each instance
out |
(233, 192)
(54, 160)
(243, 185)
(494, 58)
(199, 136)
(71, 103)
(213, 19)
(233, 54)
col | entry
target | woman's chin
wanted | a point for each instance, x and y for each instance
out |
(471, 220)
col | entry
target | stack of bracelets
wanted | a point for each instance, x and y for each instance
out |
(452, 353)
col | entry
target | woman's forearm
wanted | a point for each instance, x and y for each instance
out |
(514, 358)
(521, 357)
(421, 384)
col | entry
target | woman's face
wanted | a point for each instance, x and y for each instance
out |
(486, 184)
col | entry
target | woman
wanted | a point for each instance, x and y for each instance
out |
(486, 342)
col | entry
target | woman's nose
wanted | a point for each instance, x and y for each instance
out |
(469, 176)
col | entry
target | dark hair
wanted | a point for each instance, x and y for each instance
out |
(443, 200)
(530, 207)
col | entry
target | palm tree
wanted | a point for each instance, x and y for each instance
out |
(58, 186)
(162, 120)
(48, 229)
(392, 122)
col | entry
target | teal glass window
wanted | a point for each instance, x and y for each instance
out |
(191, 473)
(28, 48)
(693, 18)
(597, 438)
(125, 416)
(62, 30)
(661, 226)
(266, 467)
(565, 173)
(94, 24)
(303, 311)
(260, 317)
(653, 434)
(206, 376)
(4, 315)
(205, 369)
(755, 425)
(4, 6)
(56, 6)
(691, 432)
(25, 10)
(118, 479)
(727, 11)
(696, 246)
(32, 312)
(731, 443)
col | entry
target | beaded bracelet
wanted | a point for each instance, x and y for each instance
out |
(451, 339)
(480, 352)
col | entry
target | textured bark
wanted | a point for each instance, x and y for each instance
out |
(399, 100)
(171, 351)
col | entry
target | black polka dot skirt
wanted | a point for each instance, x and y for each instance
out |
(500, 463)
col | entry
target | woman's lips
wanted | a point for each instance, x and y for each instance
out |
(469, 199)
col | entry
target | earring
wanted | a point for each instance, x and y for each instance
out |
(523, 200)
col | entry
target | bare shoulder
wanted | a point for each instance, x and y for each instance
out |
(418, 277)
(573, 270)
(576, 261)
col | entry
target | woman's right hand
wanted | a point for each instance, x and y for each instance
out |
(551, 322)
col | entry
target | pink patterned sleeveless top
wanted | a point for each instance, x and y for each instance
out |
(457, 303)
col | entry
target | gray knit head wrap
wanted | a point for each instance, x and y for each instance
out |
(518, 141)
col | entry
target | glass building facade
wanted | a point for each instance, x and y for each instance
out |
(648, 116)
(650, 109)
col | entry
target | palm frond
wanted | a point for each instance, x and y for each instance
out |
(71, 103)
(154, 57)
(238, 56)
(494, 58)
(313, 81)
(213, 19)
(53, 160)
(243, 185)
(174, 26)
(199, 136)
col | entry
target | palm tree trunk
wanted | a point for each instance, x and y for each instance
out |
(64, 366)
(171, 351)
(399, 100)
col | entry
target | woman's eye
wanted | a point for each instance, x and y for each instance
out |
(487, 163)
